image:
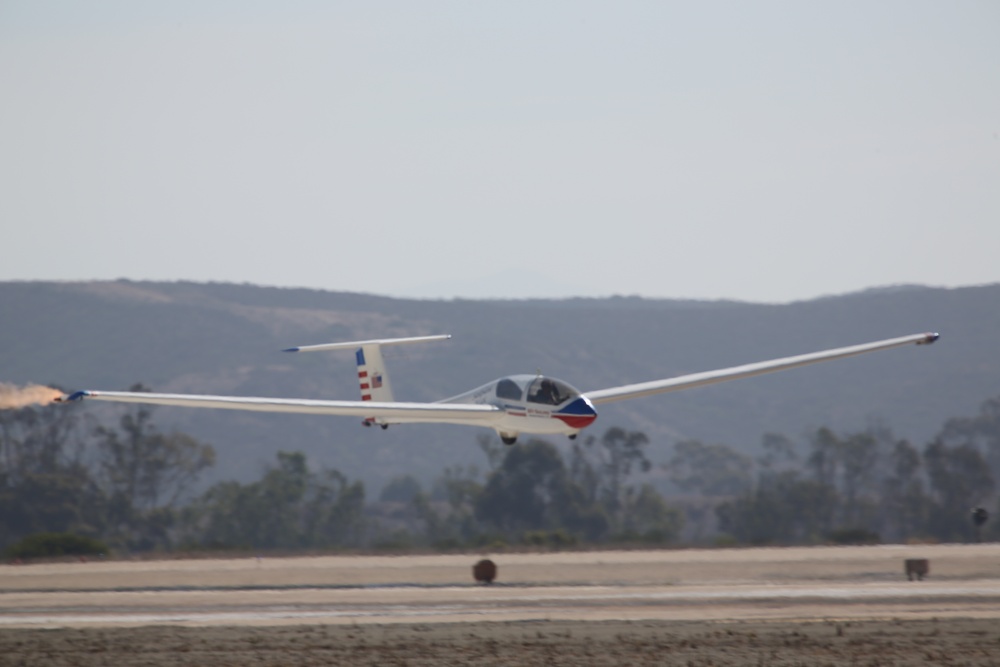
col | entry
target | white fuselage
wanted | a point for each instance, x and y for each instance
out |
(531, 404)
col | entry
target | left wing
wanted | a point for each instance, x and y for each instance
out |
(395, 413)
(749, 370)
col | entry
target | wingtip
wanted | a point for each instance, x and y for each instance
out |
(929, 338)
(291, 349)
(75, 396)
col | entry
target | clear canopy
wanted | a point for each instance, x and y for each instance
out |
(550, 392)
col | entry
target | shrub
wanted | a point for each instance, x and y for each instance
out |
(50, 545)
(844, 536)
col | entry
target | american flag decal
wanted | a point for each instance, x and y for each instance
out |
(372, 378)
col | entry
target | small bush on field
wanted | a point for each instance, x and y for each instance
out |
(50, 545)
(854, 536)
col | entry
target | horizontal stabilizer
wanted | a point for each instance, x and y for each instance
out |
(363, 343)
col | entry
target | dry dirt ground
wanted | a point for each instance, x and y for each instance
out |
(689, 644)
(797, 606)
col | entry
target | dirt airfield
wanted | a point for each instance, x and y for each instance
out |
(794, 606)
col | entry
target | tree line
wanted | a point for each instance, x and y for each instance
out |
(135, 488)
(870, 487)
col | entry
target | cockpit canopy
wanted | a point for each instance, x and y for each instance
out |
(535, 389)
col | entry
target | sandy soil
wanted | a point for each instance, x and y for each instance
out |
(800, 606)
(687, 566)
(689, 644)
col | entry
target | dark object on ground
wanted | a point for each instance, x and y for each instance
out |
(917, 567)
(980, 516)
(485, 571)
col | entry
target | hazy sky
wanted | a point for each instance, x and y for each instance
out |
(765, 151)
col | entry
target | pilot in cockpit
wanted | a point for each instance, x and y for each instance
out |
(548, 393)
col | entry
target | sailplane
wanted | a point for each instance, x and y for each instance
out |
(516, 404)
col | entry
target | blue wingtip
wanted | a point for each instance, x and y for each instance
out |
(75, 396)
(291, 349)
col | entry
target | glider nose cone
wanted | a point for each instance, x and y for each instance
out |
(578, 414)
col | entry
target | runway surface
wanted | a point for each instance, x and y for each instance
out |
(691, 585)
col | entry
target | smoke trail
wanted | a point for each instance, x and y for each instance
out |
(12, 397)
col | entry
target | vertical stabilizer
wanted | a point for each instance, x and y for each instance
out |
(372, 375)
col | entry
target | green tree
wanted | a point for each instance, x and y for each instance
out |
(824, 456)
(834, 463)
(904, 498)
(779, 453)
(533, 491)
(460, 487)
(289, 507)
(45, 483)
(621, 453)
(650, 519)
(335, 510)
(144, 474)
(148, 468)
(981, 431)
(959, 480)
(400, 489)
(784, 508)
(518, 495)
(709, 473)
(225, 517)
(600, 473)
(52, 545)
(709, 470)
(858, 455)
(281, 495)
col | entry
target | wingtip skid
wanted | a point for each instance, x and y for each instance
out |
(75, 396)
(929, 338)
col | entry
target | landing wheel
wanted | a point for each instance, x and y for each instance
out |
(384, 426)
(572, 436)
(508, 439)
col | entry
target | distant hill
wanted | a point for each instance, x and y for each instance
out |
(224, 338)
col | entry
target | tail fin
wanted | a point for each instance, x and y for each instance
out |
(372, 375)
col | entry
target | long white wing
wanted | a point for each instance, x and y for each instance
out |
(749, 370)
(396, 413)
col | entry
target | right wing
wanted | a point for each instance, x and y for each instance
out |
(390, 413)
(749, 370)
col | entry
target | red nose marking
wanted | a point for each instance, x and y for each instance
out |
(577, 421)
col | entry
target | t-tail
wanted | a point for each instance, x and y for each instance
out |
(373, 378)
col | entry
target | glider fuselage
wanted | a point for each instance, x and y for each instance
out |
(532, 404)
